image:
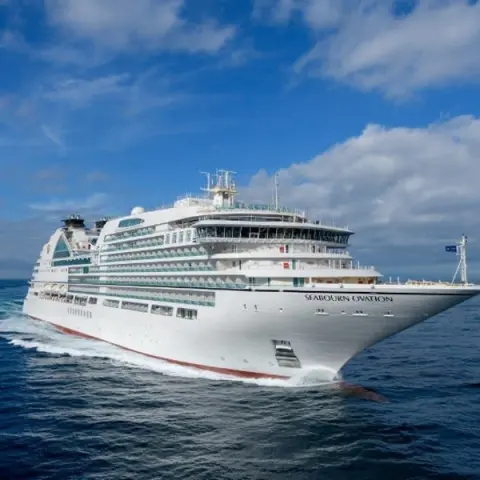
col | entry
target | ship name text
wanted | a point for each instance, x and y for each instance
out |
(322, 297)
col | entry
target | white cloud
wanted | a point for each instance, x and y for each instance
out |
(67, 55)
(93, 203)
(53, 136)
(370, 46)
(130, 24)
(405, 187)
(81, 91)
(317, 14)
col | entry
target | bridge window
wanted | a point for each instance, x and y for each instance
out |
(312, 234)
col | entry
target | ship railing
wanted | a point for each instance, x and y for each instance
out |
(294, 220)
(261, 207)
(430, 283)
(421, 283)
(354, 268)
(256, 240)
(156, 256)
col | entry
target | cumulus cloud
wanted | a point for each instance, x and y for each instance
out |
(131, 24)
(405, 188)
(374, 45)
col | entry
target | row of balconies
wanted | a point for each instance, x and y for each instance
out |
(130, 234)
(148, 282)
(159, 298)
(193, 253)
(149, 268)
(137, 244)
(152, 254)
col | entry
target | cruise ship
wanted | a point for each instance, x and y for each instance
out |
(245, 290)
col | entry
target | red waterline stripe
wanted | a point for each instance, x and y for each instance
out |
(224, 371)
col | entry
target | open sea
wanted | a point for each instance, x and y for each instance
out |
(78, 409)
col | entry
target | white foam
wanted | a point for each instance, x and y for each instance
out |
(40, 336)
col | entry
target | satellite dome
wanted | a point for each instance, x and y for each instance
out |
(137, 210)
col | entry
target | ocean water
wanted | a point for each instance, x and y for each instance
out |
(79, 409)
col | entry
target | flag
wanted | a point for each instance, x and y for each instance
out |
(451, 248)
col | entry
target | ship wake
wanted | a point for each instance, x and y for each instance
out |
(29, 334)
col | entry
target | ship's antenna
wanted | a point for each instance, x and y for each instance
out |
(209, 182)
(225, 178)
(462, 262)
(276, 191)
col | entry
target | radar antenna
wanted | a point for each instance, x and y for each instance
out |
(223, 189)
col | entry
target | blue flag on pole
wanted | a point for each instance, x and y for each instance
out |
(451, 248)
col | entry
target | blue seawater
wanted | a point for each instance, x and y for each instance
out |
(79, 409)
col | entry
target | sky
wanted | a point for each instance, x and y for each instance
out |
(368, 110)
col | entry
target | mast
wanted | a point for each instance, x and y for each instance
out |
(276, 191)
(463, 259)
(209, 182)
(222, 191)
(462, 262)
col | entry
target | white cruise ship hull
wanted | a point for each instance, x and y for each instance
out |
(323, 327)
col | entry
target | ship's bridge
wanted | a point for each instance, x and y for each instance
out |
(215, 230)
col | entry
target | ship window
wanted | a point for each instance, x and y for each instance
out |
(61, 249)
(167, 239)
(186, 313)
(111, 303)
(309, 234)
(138, 307)
(174, 238)
(189, 236)
(162, 310)
(180, 237)
(130, 222)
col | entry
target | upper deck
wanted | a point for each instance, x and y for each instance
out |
(220, 208)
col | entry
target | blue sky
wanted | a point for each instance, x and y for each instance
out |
(368, 109)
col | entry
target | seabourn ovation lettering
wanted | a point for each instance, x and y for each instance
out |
(325, 297)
